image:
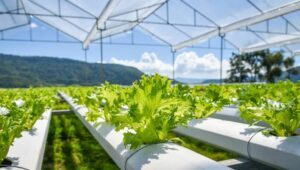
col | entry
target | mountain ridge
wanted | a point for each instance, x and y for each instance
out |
(25, 71)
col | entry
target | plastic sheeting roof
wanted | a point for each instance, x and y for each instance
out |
(248, 25)
(10, 20)
(78, 18)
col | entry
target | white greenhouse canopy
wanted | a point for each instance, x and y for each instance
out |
(248, 25)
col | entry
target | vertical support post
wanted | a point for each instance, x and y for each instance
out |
(167, 11)
(85, 54)
(101, 69)
(256, 75)
(240, 78)
(286, 27)
(57, 35)
(173, 64)
(137, 15)
(132, 37)
(221, 57)
(101, 47)
(18, 11)
(268, 24)
(30, 30)
(59, 8)
(195, 17)
(110, 40)
(85, 59)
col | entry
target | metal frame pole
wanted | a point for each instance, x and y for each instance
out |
(173, 64)
(221, 57)
(101, 47)
(85, 54)
(101, 68)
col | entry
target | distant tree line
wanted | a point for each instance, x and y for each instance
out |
(260, 66)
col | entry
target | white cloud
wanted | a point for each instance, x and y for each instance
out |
(187, 64)
(149, 64)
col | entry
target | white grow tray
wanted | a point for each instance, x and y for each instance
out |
(28, 151)
(156, 156)
(280, 152)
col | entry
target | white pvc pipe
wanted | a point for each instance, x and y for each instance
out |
(170, 156)
(280, 152)
(156, 156)
(28, 150)
(232, 113)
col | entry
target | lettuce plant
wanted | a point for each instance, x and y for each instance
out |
(19, 110)
(275, 104)
(153, 112)
(151, 108)
(210, 99)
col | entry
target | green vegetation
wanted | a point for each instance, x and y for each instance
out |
(18, 71)
(68, 149)
(69, 143)
(261, 66)
(151, 108)
(19, 110)
(71, 146)
(148, 110)
(278, 105)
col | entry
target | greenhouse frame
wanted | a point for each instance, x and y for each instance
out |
(255, 23)
(243, 25)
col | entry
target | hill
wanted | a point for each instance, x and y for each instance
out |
(17, 71)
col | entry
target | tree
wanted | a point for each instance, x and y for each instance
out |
(245, 67)
(260, 65)
(288, 64)
(258, 75)
(237, 72)
(272, 64)
(253, 65)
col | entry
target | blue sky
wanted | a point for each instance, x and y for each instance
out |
(190, 62)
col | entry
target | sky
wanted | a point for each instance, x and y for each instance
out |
(200, 62)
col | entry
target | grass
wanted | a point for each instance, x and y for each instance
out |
(71, 146)
(205, 149)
